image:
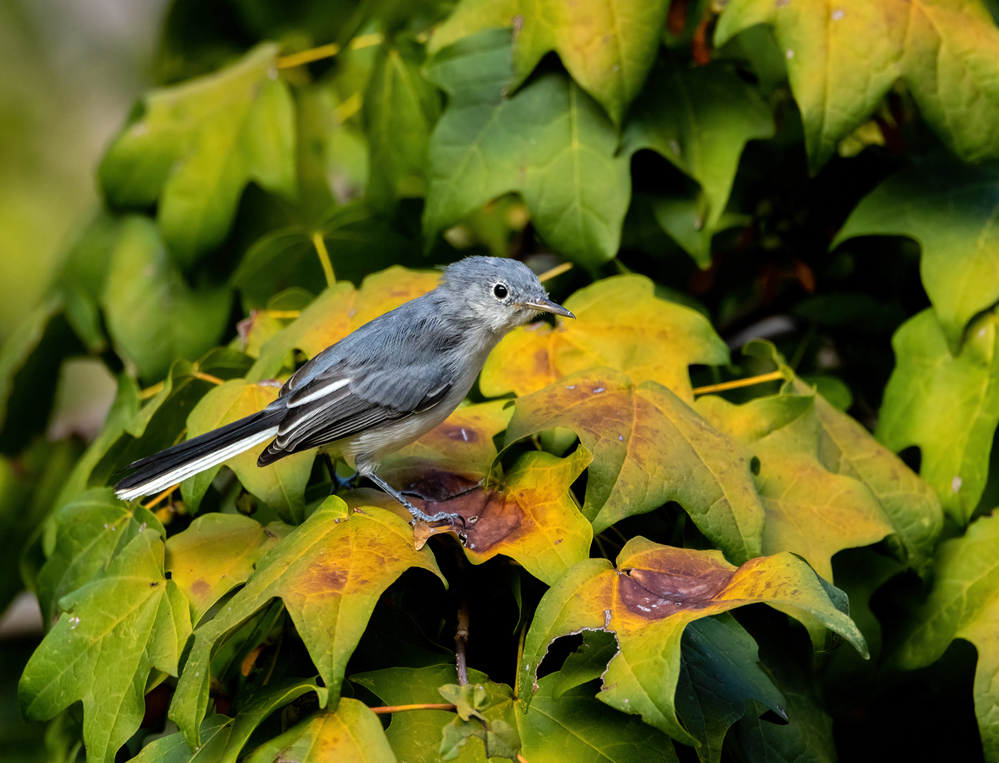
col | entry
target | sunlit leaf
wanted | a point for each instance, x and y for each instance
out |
(351, 733)
(280, 485)
(647, 602)
(809, 510)
(700, 119)
(337, 312)
(400, 109)
(194, 147)
(550, 142)
(648, 448)
(914, 509)
(80, 540)
(152, 315)
(844, 56)
(608, 47)
(530, 517)
(964, 603)
(329, 572)
(950, 209)
(215, 554)
(620, 323)
(946, 405)
(114, 632)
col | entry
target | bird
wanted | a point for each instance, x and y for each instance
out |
(379, 388)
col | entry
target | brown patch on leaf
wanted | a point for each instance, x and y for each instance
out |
(656, 595)
(200, 588)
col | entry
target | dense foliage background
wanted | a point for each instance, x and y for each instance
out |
(781, 388)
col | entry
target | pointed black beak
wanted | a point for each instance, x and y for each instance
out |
(547, 306)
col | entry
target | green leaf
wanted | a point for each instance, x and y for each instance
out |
(152, 315)
(194, 147)
(80, 540)
(329, 572)
(648, 448)
(223, 738)
(400, 109)
(351, 733)
(699, 119)
(415, 737)
(947, 406)
(30, 361)
(720, 679)
(647, 602)
(216, 553)
(843, 58)
(215, 731)
(280, 485)
(101, 652)
(550, 142)
(963, 604)
(608, 47)
(950, 209)
(620, 323)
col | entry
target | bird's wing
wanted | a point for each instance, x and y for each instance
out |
(343, 401)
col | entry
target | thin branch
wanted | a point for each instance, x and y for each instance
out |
(326, 51)
(208, 378)
(461, 642)
(324, 257)
(405, 708)
(160, 497)
(773, 376)
(555, 271)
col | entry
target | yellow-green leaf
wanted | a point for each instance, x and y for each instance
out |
(647, 602)
(329, 572)
(217, 553)
(648, 448)
(844, 55)
(620, 324)
(946, 405)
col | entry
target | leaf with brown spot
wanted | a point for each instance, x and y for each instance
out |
(648, 448)
(531, 517)
(647, 602)
(217, 553)
(280, 485)
(451, 458)
(329, 572)
(810, 510)
(338, 311)
(620, 323)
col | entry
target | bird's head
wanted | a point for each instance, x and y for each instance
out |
(501, 293)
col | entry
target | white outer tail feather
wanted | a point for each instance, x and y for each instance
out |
(182, 472)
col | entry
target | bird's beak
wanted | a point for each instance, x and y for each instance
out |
(547, 306)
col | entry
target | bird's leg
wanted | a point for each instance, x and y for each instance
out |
(335, 479)
(417, 514)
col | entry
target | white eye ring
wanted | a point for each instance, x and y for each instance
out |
(500, 291)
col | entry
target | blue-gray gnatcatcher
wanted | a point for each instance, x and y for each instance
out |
(377, 389)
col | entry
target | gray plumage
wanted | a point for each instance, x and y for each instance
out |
(377, 389)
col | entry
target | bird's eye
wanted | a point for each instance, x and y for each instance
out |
(500, 291)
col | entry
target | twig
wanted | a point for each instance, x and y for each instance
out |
(461, 642)
(326, 51)
(404, 708)
(555, 271)
(324, 257)
(772, 376)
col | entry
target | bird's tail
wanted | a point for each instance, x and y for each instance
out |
(168, 467)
